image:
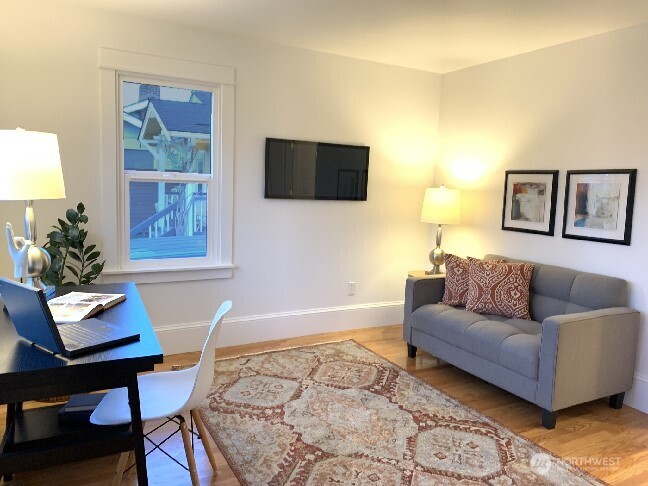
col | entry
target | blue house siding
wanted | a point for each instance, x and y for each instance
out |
(138, 160)
(146, 195)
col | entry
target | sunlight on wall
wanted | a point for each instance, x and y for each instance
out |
(411, 148)
(468, 169)
(469, 162)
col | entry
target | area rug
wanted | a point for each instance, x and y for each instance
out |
(339, 414)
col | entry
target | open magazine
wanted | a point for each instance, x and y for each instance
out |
(77, 306)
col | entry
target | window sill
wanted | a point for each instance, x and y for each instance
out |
(161, 275)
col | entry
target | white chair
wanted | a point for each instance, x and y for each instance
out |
(169, 394)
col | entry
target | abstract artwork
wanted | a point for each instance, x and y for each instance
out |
(599, 205)
(530, 201)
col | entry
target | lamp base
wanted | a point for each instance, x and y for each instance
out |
(434, 271)
(437, 259)
(37, 283)
(38, 263)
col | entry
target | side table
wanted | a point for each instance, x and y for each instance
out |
(422, 274)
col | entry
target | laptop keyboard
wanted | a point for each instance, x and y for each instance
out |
(80, 335)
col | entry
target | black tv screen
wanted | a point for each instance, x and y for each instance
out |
(296, 169)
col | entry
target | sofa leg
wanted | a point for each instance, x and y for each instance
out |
(411, 351)
(548, 419)
(616, 401)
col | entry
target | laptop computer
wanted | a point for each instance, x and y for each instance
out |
(33, 321)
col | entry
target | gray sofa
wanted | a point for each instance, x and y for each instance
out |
(580, 345)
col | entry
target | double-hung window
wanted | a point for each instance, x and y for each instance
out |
(173, 179)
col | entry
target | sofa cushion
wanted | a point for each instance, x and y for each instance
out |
(511, 343)
(443, 321)
(499, 288)
(521, 353)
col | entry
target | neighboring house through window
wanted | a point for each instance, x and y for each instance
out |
(174, 147)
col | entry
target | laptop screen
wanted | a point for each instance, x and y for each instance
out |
(28, 310)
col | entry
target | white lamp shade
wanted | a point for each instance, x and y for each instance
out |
(30, 166)
(441, 206)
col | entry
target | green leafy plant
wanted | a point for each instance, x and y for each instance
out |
(70, 255)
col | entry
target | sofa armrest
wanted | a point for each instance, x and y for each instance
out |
(419, 292)
(586, 356)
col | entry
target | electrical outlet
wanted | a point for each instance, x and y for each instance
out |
(351, 288)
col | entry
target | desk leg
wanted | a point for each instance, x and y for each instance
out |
(10, 419)
(138, 433)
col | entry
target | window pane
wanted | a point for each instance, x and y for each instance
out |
(166, 129)
(168, 220)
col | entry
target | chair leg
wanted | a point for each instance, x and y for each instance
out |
(204, 437)
(411, 351)
(121, 467)
(186, 438)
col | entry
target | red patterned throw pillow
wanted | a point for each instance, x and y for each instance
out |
(456, 280)
(499, 288)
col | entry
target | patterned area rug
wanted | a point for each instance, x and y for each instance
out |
(337, 413)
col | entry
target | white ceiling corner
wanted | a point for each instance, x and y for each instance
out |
(432, 35)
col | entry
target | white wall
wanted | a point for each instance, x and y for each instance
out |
(294, 258)
(581, 105)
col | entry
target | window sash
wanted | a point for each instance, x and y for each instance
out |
(142, 175)
(128, 175)
(213, 219)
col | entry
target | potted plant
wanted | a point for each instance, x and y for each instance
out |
(70, 255)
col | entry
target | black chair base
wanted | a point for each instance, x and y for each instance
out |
(178, 419)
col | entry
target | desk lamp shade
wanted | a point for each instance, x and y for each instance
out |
(30, 169)
(30, 166)
(440, 206)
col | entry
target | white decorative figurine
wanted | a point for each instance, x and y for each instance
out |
(29, 261)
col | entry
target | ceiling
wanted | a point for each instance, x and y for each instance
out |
(432, 35)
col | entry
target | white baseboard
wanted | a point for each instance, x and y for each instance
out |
(183, 338)
(638, 396)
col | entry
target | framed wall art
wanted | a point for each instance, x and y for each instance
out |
(530, 201)
(599, 205)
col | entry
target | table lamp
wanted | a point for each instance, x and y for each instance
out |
(441, 206)
(30, 169)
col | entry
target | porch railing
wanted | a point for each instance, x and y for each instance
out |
(163, 222)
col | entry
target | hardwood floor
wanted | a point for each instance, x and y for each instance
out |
(610, 444)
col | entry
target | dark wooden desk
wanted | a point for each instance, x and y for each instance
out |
(27, 373)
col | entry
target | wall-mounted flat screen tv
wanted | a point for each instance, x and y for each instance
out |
(296, 169)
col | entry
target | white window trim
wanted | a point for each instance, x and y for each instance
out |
(114, 63)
